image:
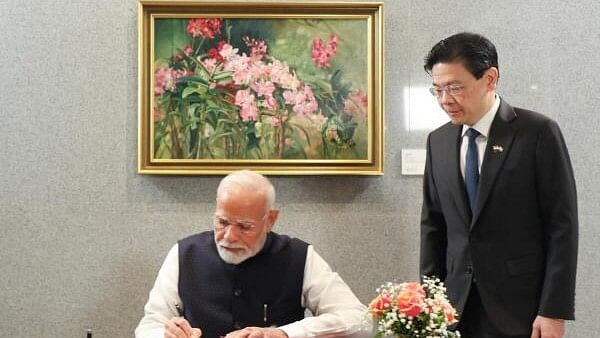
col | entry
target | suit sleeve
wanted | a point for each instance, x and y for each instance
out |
(558, 209)
(433, 225)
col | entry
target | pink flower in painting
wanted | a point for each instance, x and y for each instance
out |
(357, 103)
(162, 80)
(240, 66)
(209, 64)
(321, 53)
(280, 73)
(303, 101)
(259, 70)
(226, 50)
(166, 78)
(205, 28)
(245, 100)
(215, 52)
(263, 88)
(270, 103)
(188, 50)
(258, 48)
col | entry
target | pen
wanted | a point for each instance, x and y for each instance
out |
(179, 310)
(265, 312)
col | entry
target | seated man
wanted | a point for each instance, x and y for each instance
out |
(243, 280)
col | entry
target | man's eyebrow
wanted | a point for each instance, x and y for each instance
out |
(449, 83)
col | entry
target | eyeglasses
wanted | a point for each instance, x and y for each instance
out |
(245, 227)
(452, 90)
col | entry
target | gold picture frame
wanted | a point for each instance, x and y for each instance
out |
(283, 88)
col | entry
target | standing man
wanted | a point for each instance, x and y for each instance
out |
(243, 280)
(499, 218)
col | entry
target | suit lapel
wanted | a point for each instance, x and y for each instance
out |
(498, 147)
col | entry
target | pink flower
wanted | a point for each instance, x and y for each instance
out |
(280, 73)
(258, 48)
(209, 64)
(240, 66)
(357, 103)
(380, 305)
(227, 51)
(263, 88)
(166, 78)
(303, 101)
(445, 307)
(202, 27)
(271, 103)
(188, 50)
(214, 53)
(411, 300)
(321, 53)
(245, 100)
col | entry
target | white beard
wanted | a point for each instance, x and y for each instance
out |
(233, 258)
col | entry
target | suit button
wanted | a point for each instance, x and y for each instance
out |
(237, 325)
(469, 269)
(237, 292)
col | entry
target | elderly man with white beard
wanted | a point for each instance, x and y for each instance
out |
(244, 280)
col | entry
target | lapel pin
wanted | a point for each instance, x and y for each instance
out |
(497, 148)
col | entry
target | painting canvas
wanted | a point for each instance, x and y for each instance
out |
(286, 91)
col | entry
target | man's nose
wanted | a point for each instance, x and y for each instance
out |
(231, 232)
(444, 97)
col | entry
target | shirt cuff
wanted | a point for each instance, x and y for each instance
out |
(294, 330)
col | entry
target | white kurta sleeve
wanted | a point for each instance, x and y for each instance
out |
(162, 299)
(336, 310)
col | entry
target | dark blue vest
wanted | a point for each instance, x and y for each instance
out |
(264, 290)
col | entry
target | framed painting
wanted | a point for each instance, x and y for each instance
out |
(283, 88)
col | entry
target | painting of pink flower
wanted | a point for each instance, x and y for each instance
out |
(281, 74)
(357, 103)
(263, 88)
(165, 79)
(249, 88)
(204, 28)
(258, 48)
(322, 53)
(303, 101)
(245, 100)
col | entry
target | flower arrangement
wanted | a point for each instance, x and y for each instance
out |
(413, 310)
(223, 94)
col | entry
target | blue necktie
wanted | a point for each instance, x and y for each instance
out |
(472, 168)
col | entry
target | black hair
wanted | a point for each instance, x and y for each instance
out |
(474, 51)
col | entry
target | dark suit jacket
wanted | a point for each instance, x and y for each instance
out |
(520, 241)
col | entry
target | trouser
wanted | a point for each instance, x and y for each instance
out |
(475, 321)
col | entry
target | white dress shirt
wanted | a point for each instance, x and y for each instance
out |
(483, 127)
(336, 310)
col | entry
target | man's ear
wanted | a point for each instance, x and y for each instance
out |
(272, 218)
(491, 77)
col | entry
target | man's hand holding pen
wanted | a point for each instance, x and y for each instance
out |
(178, 327)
